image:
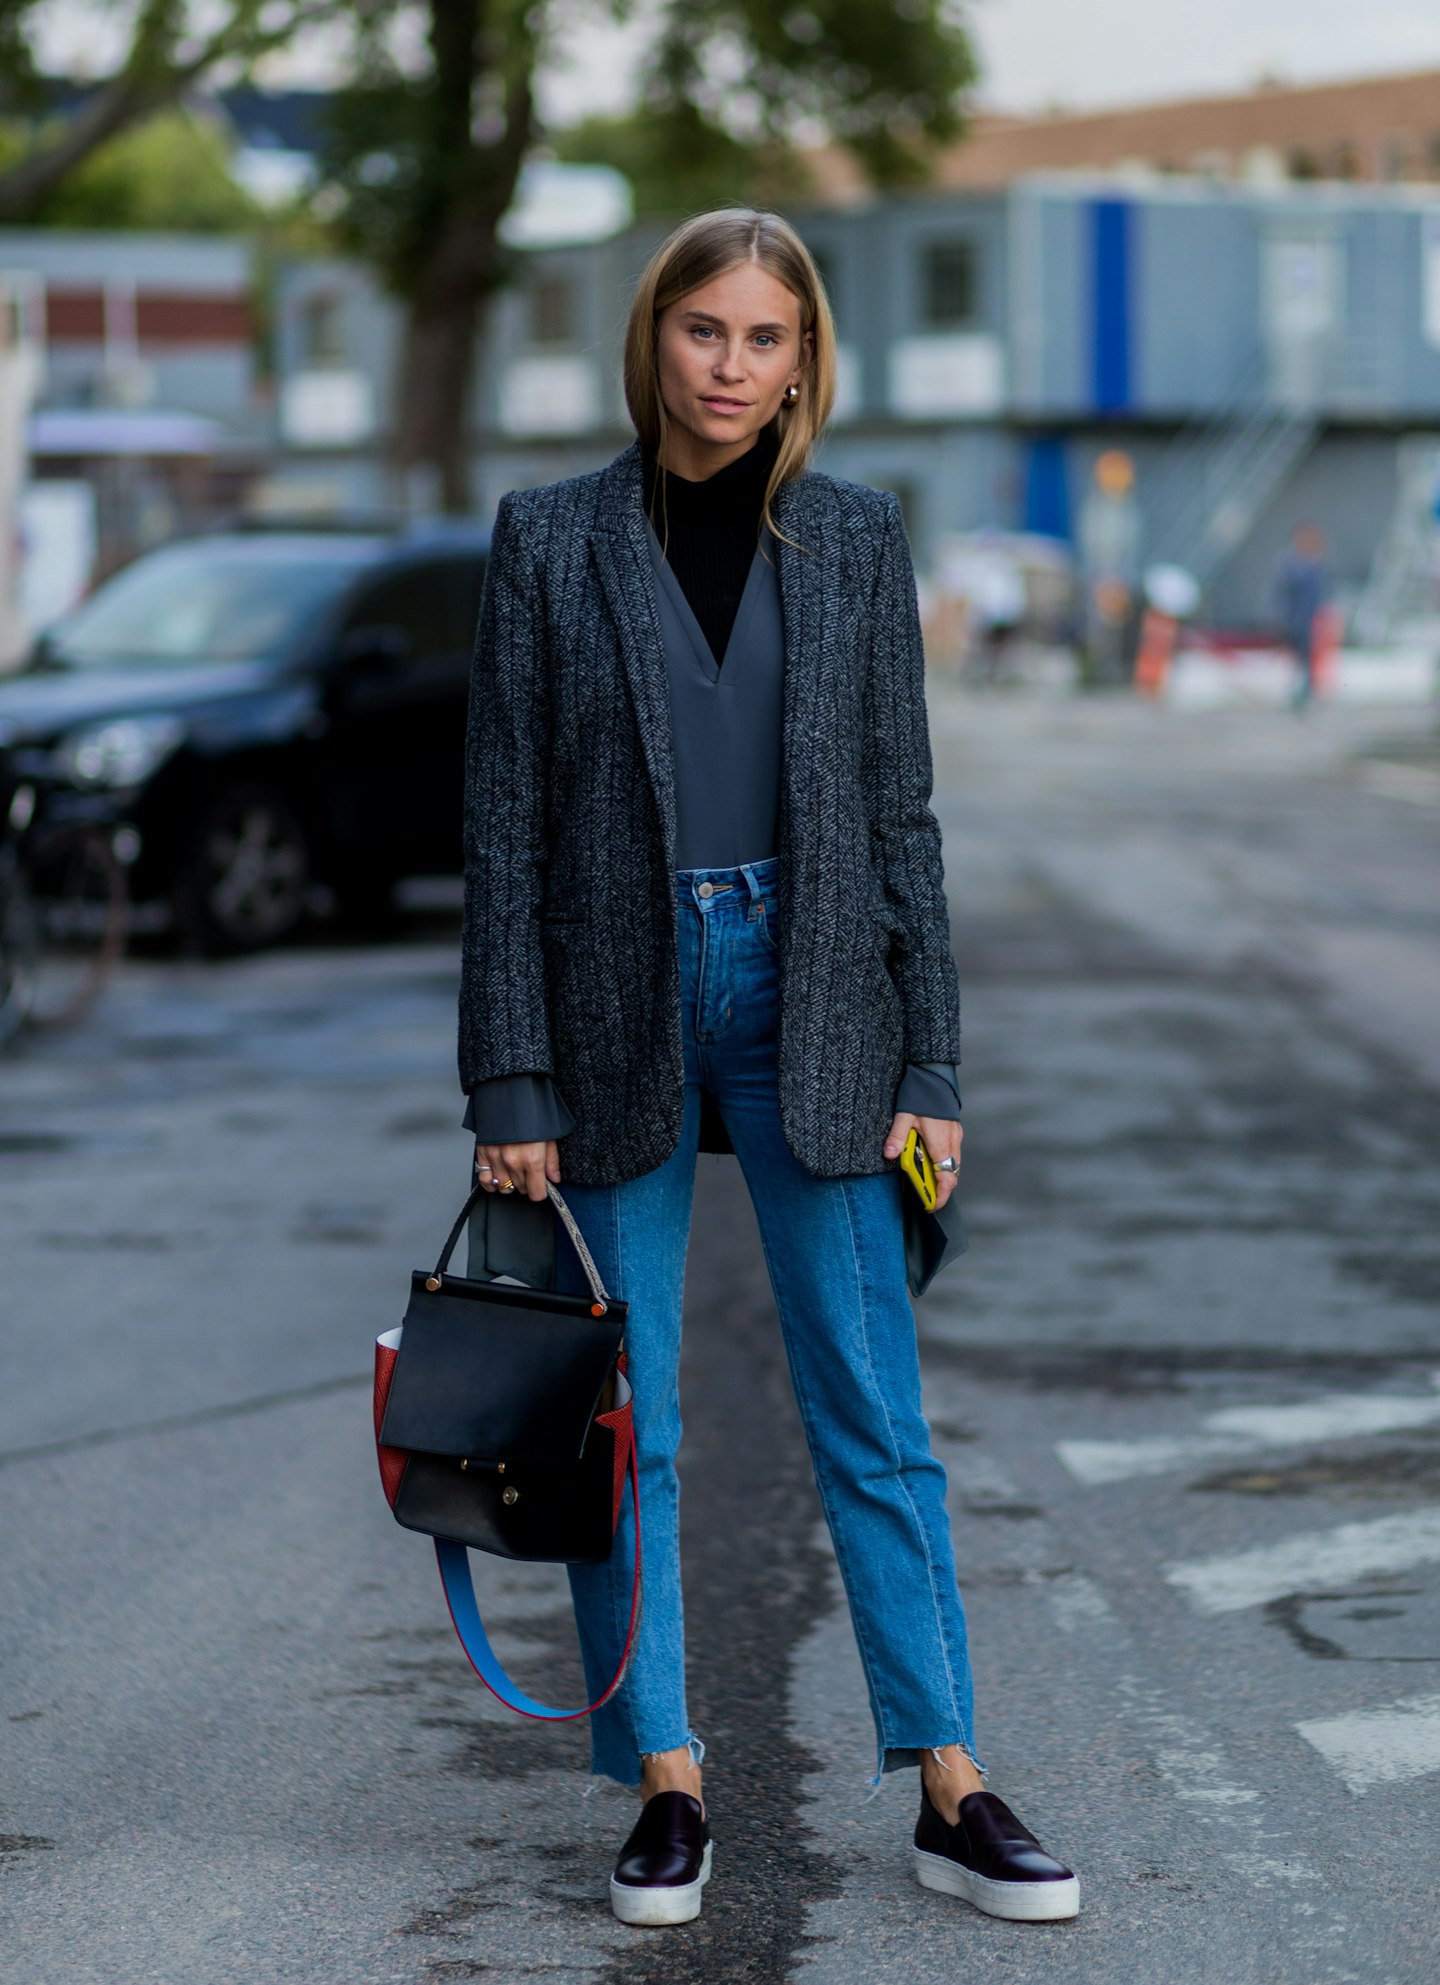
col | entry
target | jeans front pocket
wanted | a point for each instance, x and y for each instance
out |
(765, 922)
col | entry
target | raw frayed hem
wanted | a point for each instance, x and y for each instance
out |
(695, 1745)
(899, 1758)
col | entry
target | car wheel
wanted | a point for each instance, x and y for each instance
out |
(246, 878)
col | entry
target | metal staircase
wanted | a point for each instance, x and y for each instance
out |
(1402, 590)
(1220, 472)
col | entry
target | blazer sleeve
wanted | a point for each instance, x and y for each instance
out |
(503, 1022)
(904, 833)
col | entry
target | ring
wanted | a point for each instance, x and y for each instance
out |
(948, 1165)
(507, 1185)
(482, 1168)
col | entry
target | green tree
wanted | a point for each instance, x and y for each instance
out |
(678, 163)
(173, 44)
(425, 153)
(170, 173)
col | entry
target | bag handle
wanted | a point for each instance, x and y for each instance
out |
(587, 1260)
(454, 1562)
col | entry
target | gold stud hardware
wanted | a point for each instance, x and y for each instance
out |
(432, 1281)
(463, 1466)
(500, 1465)
(511, 1495)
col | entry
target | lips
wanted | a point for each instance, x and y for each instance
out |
(722, 406)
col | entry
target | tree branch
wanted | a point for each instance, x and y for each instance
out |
(154, 74)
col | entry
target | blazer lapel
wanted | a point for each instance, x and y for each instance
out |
(622, 559)
(808, 569)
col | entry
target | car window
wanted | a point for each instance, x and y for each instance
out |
(197, 603)
(436, 603)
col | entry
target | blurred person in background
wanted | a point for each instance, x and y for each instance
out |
(1299, 592)
(995, 594)
(660, 957)
(1109, 545)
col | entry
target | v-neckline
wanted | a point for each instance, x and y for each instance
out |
(724, 669)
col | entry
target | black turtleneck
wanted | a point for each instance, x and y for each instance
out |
(710, 531)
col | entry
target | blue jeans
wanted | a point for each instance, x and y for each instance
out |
(835, 1253)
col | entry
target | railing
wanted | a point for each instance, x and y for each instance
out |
(1219, 473)
(1402, 582)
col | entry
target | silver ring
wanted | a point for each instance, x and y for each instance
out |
(482, 1168)
(948, 1165)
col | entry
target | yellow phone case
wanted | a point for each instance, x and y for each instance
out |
(915, 1162)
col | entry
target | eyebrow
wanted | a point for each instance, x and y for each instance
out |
(719, 322)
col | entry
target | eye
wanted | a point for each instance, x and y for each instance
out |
(766, 337)
(703, 330)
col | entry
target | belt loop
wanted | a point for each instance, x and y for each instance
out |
(757, 897)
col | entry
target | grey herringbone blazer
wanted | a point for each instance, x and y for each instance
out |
(569, 952)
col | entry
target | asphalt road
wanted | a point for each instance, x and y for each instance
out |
(1186, 1383)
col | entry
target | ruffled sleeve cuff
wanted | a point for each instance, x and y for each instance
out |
(517, 1109)
(929, 1089)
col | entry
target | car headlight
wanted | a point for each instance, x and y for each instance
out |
(121, 752)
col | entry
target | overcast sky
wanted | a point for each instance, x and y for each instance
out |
(1077, 53)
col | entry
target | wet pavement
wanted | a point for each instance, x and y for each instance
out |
(1186, 1385)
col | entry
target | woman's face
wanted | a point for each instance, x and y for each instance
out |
(727, 352)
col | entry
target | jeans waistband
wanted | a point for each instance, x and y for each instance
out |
(747, 880)
(769, 866)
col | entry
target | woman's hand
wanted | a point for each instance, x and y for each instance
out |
(525, 1166)
(942, 1140)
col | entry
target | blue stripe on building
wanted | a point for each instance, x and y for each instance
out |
(1112, 272)
(1047, 492)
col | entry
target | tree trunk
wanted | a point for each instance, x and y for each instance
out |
(461, 270)
(431, 427)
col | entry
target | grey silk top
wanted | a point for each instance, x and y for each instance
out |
(726, 717)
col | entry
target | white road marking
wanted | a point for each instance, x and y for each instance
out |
(1380, 1746)
(1241, 1430)
(1309, 1560)
(1198, 1773)
(1078, 1603)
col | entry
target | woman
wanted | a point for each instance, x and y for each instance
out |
(704, 910)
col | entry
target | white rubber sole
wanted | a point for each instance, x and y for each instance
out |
(1017, 1902)
(649, 1906)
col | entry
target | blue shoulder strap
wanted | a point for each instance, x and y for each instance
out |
(454, 1562)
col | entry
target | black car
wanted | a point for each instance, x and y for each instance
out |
(268, 711)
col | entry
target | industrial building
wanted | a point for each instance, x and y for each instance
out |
(1261, 352)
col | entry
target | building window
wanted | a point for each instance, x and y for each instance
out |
(948, 285)
(322, 330)
(552, 311)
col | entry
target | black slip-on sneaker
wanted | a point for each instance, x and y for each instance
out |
(993, 1861)
(664, 1864)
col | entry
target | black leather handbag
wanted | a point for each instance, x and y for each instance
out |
(504, 1422)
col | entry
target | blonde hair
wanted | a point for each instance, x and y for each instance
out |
(696, 252)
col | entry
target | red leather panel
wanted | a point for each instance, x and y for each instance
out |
(392, 1459)
(622, 1431)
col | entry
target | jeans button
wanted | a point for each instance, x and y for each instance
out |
(707, 889)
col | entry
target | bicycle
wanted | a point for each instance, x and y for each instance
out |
(64, 902)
